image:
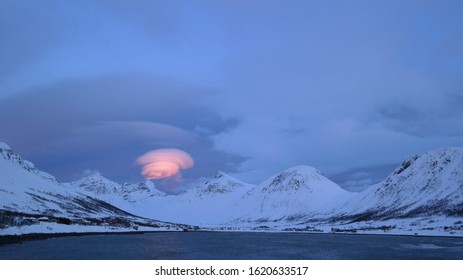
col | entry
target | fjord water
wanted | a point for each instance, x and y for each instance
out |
(236, 245)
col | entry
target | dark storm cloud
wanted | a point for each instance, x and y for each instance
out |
(54, 109)
(358, 179)
(442, 118)
(400, 112)
(112, 147)
(106, 122)
(250, 86)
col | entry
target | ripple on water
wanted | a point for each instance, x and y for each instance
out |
(421, 246)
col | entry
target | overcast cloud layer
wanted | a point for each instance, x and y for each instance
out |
(247, 87)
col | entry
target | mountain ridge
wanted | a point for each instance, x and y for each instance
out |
(423, 190)
(33, 201)
(433, 180)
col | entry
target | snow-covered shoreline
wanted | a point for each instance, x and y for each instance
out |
(423, 196)
(59, 229)
(40, 232)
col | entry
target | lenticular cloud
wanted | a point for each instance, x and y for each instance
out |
(164, 163)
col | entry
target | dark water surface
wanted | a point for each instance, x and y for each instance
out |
(234, 245)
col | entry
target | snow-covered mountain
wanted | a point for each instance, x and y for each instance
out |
(422, 186)
(27, 194)
(10, 158)
(425, 193)
(98, 186)
(220, 193)
(298, 192)
(26, 189)
(220, 184)
(212, 202)
(139, 192)
(427, 185)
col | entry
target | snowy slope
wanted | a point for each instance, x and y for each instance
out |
(220, 184)
(431, 184)
(298, 192)
(424, 194)
(97, 185)
(27, 193)
(26, 189)
(214, 201)
(210, 202)
(139, 192)
(121, 195)
(7, 155)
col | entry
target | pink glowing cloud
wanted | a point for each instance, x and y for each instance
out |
(164, 163)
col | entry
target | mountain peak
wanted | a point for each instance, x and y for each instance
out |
(429, 183)
(13, 158)
(221, 183)
(294, 178)
(97, 184)
(96, 176)
(219, 175)
(297, 191)
(136, 192)
(433, 162)
(4, 146)
(306, 171)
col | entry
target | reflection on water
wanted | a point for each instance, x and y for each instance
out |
(234, 245)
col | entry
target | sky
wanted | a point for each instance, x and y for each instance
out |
(250, 88)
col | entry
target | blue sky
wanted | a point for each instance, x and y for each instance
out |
(247, 87)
